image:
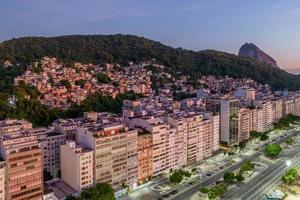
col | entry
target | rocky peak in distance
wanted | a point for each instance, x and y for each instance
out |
(252, 51)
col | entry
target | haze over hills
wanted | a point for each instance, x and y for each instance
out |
(252, 51)
(124, 48)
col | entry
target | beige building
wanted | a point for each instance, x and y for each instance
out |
(267, 118)
(2, 179)
(24, 171)
(277, 110)
(77, 165)
(244, 124)
(115, 153)
(288, 107)
(145, 156)
(159, 131)
(178, 122)
(297, 106)
(12, 126)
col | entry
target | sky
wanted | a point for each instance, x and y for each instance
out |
(273, 25)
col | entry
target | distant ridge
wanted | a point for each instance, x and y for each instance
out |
(252, 51)
(125, 48)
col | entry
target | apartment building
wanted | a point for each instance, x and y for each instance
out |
(228, 108)
(265, 115)
(253, 120)
(115, 153)
(195, 138)
(244, 124)
(24, 167)
(12, 126)
(229, 121)
(2, 179)
(179, 123)
(145, 156)
(50, 144)
(77, 165)
(159, 131)
(288, 107)
(66, 127)
(297, 106)
(172, 156)
(216, 131)
(277, 109)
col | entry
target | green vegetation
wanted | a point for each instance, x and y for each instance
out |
(246, 166)
(124, 48)
(264, 137)
(102, 191)
(254, 134)
(286, 122)
(272, 150)
(37, 69)
(229, 177)
(242, 145)
(181, 95)
(290, 176)
(80, 83)
(65, 83)
(290, 141)
(40, 115)
(178, 175)
(216, 191)
(239, 178)
(103, 78)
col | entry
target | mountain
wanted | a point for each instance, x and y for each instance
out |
(252, 51)
(124, 48)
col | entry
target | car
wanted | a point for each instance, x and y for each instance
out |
(222, 167)
(173, 192)
(166, 195)
(191, 183)
(209, 174)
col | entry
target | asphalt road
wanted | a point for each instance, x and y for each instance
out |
(264, 179)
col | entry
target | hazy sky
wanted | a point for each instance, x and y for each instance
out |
(273, 25)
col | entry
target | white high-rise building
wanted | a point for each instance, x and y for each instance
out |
(77, 165)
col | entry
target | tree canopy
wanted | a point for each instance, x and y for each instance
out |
(272, 150)
(102, 191)
(124, 48)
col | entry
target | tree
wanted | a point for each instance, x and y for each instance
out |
(176, 177)
(102, 191)
(272, 150)
(204, 190)
(229, 177)
(242, 145)
(217, 190)
(70, 197)
(290, 141)
(254, 134)
(264, 137)
(80, 83)
(239, 178)
(290, 176)
(103, 78)
(246, 166)
(65, 83)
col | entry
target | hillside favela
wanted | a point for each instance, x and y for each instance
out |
(149, 100)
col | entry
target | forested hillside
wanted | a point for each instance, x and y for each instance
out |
(124, 48)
